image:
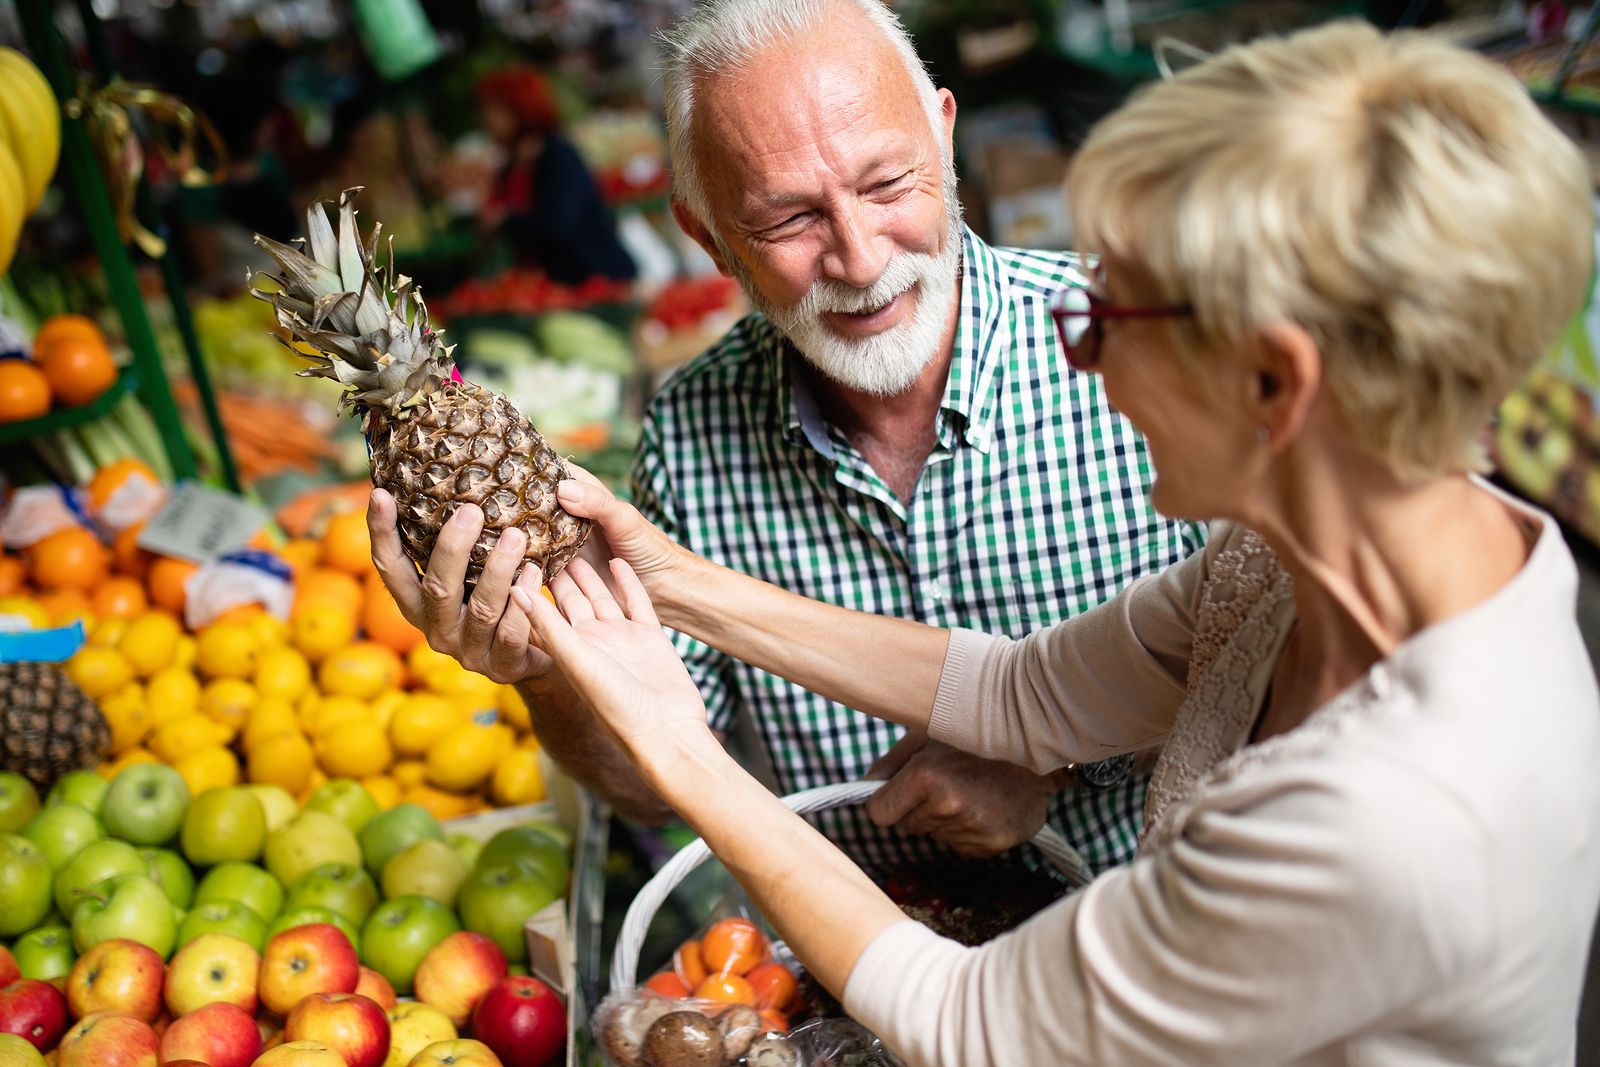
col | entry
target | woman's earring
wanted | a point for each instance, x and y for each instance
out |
(1263, 435)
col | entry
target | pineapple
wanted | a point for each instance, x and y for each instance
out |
(48, 726)
(434, 443)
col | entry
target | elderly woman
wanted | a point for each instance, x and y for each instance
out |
(1372, 834)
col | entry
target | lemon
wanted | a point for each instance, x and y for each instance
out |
(227, 650)
(124, 712)
(419, 721)
(517, 779)
(384, 707)
(362, 671)
(270, 630)
(354, 748)
(425, 663)
(270, 716)
(318, 630)
(330, 711)
(212, 767)
(21, 613)
(126, 760)
(513, 709)
(229, 701)
(171, 692)
(282, 672)
(440, 803)
(409, 772)
(177, 738)
(99, 671)
(384, 789)
(463, 759)
(186, 652)
(283, 759)
(151, 642)
(315, 780)
(107, 633)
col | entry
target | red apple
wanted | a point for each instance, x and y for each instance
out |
(456, 1054)
(34, 1010)
(9, 971)
(523, 1021)
(350, 1024)
(219, 1034)
(457, 972)
(213, 968)
(160, 1023)
(376, 988)
(119, 975)
(109, 1039)
(315, 958)
(184, 1063)
(300, 1054)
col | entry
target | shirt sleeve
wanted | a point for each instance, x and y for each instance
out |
(1105, 682)
(654, 496)
(1289, 914)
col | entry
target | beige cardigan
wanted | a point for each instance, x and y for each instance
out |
(1410, 877)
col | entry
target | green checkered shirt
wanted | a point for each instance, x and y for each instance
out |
(1032, 507)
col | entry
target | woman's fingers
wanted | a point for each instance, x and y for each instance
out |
(635, 601)
(555, 633)
(570, 599)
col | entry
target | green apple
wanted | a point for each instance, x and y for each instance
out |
(469, 848)
(224, 825)
(495, 901)
(131, 906)
(224, 917)
(426, 868)
(94, 863)
(340, 887)
(24, 885)
(530, 848)
(306, 916)
(242, 883)
(391, 831)
(145, 804)
(19, 800)
(168, 870)
(276, 802)
(400, 933)
(45, 952)
(19, 1052)
(309, 840)
(83, 788)
(61, 831)
(346, 800)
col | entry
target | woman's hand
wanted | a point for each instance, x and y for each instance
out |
(653, 556)
(617, 657)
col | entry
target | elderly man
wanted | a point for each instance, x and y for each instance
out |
(895, 431)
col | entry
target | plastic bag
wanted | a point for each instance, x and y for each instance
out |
(38, 511)
(136, 500)
(237, 579)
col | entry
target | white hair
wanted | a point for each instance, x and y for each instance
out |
(723, 35)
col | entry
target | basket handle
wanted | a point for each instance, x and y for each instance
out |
(630, 939)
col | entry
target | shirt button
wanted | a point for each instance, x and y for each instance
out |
(934, 589)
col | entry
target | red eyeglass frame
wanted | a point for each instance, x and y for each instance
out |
(1084, 353)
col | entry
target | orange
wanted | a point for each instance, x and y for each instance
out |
(689, 965)
(61, 606)
(346, 545)
(733, 946)
(24, 391)
(241, 615)
(167, 580)
(726, 989)
(67, 325)
(13, 576)
(775, 1020)
(118, 598)
(384, 789)
(113, 476)
(668, 985)
(324, 585)
(78, 368)
(440, 803)
(381, 619)
(300, 553)
(69, 559)
(126, 555)
(775, 987)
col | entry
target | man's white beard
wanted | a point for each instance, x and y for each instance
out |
(886, 363)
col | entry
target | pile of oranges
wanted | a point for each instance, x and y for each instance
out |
(344, 688)
(71, 367)
(730, 964)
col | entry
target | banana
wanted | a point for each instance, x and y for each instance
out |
(11, 206)
(29, 111)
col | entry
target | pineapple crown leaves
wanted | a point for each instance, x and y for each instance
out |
(370, 336)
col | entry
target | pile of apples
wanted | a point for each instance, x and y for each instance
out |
(135, 907)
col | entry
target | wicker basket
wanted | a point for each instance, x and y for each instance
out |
(630, 939)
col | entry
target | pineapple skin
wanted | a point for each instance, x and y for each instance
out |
(466, 444)
(48, 726)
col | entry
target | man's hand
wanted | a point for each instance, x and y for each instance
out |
(977, 807)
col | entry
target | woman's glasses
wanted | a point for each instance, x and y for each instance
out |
(1080, 320)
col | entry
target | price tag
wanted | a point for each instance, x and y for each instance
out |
(200, 523)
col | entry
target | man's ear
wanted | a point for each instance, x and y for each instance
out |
(697, 232)
(947, 112)
(1285, 380)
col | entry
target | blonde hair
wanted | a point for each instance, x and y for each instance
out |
(1401, 199)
